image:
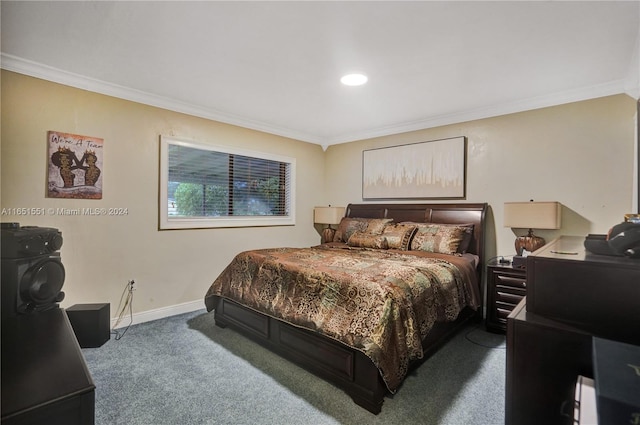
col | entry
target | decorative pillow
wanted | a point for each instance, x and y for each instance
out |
(349, 225)
(376, 226)
(367, 240)
(439, 238)
(466, 240)
(399, 235)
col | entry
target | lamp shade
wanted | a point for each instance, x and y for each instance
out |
(328, 215)
(532, 215)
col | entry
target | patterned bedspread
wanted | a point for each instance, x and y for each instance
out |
(381, 302)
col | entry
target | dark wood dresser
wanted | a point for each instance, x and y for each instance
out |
(598, 293)
(45, 379)
(572, 296)
(544, 359)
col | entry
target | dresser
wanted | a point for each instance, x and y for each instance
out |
(597, 293)
(506, 287)
(572, 296)
(45, 380)
(544, 359)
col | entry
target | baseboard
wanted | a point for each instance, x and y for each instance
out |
(159, 313)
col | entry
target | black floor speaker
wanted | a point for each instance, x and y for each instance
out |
(90, 323)
(32, 272)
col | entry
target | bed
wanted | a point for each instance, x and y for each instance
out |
(361, 311)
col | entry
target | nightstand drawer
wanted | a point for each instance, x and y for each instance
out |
(503, 314)
(514, 281)
(500, 305)
(511, 290)
(509, 298)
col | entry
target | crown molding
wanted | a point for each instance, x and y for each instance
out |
(45, 72)
(584, 93)
(633, 73)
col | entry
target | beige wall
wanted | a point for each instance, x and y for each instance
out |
(101, 253)
(579, 154)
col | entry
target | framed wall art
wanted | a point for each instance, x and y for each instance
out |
(75, 166)
(426, 170)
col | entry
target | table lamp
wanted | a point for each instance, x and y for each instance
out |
(328, 215)
(531, 215)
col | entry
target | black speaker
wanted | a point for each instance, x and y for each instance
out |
(90, 323)
(32, 273)
(28, 241)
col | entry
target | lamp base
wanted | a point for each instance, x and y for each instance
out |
(529, 242)
(327, 235)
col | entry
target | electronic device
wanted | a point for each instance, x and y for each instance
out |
(598, 244)
(32, 271)
(91, 323)
(28, 241)
(624, 239)
(520, 261)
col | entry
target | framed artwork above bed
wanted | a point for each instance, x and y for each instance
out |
(426, 170)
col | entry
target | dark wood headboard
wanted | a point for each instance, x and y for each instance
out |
(430, 213)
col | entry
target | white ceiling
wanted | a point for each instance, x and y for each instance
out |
(276, 66)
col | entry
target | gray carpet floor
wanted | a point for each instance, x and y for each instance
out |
(185, 370)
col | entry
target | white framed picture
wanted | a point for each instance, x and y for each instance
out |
(425, 170)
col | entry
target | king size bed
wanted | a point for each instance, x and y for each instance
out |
(361, 311)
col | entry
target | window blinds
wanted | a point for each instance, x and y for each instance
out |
(209, 183)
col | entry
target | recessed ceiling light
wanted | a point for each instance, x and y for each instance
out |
(354, 79)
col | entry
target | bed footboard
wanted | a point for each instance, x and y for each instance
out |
(345, 367)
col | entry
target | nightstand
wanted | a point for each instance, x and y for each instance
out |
(506, 286)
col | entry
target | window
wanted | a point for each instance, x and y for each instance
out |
(213, 186)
